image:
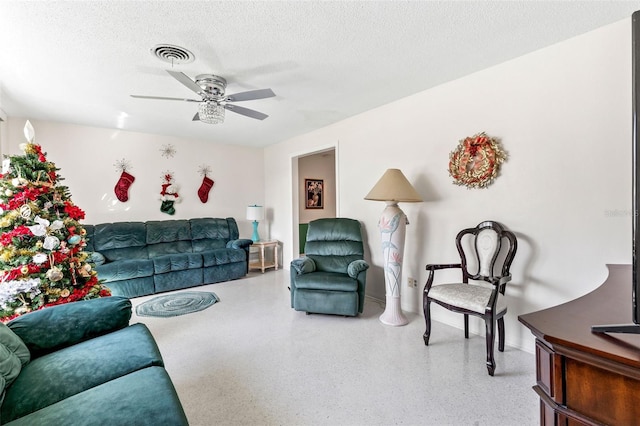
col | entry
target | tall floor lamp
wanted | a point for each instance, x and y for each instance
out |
(393, 187)
(255, 213)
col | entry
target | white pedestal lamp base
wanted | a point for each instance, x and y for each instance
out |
(392, 314)
(392, 227)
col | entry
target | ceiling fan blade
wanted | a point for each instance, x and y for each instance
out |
(250, 95)
(196, 117)
(164, 98)
(182, 78)
(246, 112)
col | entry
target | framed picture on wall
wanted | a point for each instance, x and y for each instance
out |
(315, 193)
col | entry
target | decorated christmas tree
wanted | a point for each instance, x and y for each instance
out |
(42, 262)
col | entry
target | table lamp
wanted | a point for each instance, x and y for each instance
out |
(393, 187)
(255, 213)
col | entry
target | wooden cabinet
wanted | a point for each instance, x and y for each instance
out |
(586, 378)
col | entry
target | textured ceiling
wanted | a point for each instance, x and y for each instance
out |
(78, 61)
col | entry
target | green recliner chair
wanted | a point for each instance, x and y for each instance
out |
(331, 278)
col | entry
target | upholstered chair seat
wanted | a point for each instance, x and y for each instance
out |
(473, 297)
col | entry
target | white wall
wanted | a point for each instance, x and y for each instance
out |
(563, 115)
(86, 157)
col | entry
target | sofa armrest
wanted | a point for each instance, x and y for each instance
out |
(56, 327)
(303, 265)
(356, 267)
(242, 243)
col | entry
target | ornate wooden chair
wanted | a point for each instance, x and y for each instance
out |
(484, 297)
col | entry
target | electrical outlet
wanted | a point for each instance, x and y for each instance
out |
(412, 282)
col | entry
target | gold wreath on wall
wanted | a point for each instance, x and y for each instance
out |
(476, 161)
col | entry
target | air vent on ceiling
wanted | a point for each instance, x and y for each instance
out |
(172, 54)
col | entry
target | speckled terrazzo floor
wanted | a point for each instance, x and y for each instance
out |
(252, 360)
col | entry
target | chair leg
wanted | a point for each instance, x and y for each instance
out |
(427, 319)
(491, 362)
(466, 326)
(501, 334)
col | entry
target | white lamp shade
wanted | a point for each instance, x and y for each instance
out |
(393, 186)
(255, 213)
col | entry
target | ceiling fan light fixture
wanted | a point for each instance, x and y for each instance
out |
(211, 112)
(211, 89)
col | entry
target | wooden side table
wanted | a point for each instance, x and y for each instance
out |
(263, 263)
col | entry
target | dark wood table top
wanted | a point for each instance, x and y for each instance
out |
(569, 324)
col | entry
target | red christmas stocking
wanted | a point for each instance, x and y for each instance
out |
(122, 187)
(203, 192)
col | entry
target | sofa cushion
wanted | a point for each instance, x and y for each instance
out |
(176, 280)
(125, 253)
(125, 270)
(107, 236)
(166, 231)
(72, 370)
(144, 398)
(326, 281)
(211, 228)
(159, 249)
(222, 257)
(120, 240)
(135, 287)
(176, 262)
(207, 244)
(216, 274)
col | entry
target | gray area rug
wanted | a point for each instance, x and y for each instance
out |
(172, 305)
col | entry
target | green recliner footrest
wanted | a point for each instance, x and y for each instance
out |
(331, 281)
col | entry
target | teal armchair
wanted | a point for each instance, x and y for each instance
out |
(331, 277)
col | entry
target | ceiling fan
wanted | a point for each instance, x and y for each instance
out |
(214, 102)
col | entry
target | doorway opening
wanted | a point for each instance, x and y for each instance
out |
(316, 182)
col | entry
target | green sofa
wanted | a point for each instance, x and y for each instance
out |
(83, 364)
(140, 258)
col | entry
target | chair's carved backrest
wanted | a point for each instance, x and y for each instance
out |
(334, 243)
(486, 251)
